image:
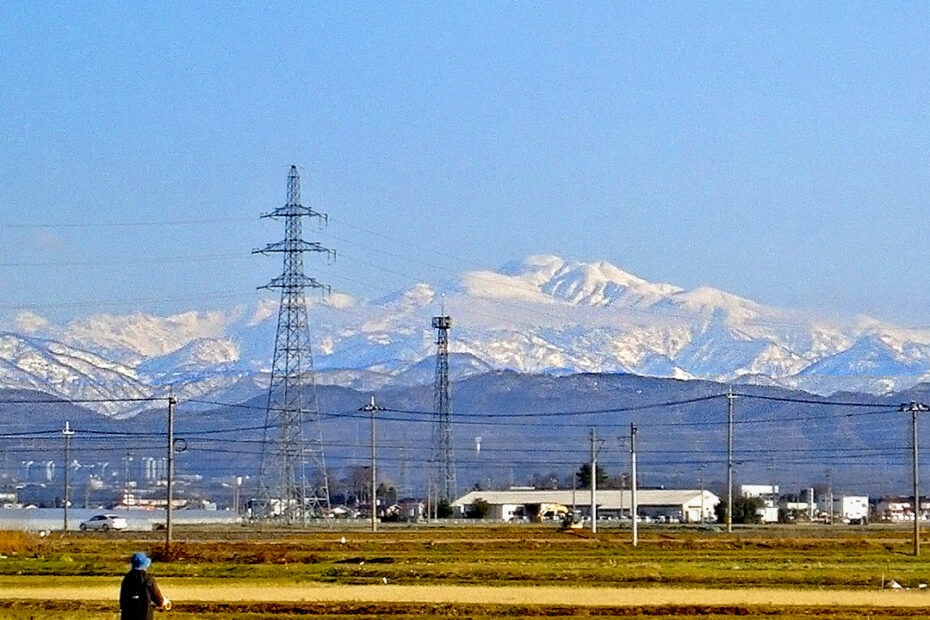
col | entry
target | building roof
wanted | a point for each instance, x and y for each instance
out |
(608, 499)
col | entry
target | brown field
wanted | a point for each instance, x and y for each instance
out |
(479, 572)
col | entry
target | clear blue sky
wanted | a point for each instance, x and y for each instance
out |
(778, 151)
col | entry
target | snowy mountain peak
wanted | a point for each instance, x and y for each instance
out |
(546, 278)
(536, 268)
(601, 283)
(197, 354)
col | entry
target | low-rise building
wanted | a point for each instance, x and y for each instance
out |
(685, 505)
(768, 493)
(852, 508)
(894, 510)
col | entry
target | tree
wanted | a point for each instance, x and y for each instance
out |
(444, 509)
(387, 493)
(357, 481)
(544, 481)
(620, 481)
(480, 509)
(583, 477)
(745, 510)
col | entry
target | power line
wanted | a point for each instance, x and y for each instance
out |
(125, 224)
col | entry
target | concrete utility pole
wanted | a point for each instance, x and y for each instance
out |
(915, 408)
(372, 408)
(429, 495)
(172, 401)
(621, 440)
(237, 492)
(593, 481)
(730, 398)
(634, 507)
(702, 493)
(574, 484)
(67, 432)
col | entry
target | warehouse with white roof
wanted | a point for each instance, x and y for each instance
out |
(684, 505)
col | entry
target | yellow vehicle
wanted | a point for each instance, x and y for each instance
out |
(552, 512)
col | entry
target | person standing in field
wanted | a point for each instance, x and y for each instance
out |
(139, 594)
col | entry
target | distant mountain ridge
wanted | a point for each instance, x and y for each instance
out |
(542, 314)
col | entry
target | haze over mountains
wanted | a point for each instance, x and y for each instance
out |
(539, 315)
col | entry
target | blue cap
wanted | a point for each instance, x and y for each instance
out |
(140, 561)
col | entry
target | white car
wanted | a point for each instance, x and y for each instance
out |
(104, 523)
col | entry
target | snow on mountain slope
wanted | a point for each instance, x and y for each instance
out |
(197, 354)
(545, 279)
(64, 371)
(138, 336)
(542, 314)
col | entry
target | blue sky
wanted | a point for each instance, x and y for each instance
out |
(777, 151)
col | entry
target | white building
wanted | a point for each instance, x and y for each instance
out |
(764, 491)
(852, 508)
(768, 493)
(893, 510)
(684, 505)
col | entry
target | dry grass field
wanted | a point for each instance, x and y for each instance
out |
(477, 572)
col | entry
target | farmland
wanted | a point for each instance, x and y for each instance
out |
(477, 572)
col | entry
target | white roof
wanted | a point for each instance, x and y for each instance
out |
(607, 499)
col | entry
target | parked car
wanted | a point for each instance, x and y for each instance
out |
(104, 523)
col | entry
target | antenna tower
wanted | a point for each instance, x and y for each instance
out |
(293, 439)
(444, 459)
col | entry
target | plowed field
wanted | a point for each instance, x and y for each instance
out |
(477, 573)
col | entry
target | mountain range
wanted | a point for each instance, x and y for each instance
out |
(540, 315)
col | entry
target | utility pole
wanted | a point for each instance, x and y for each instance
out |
(730, 398)
(67, 432)
(237, 492)
(620, 440)
(574, 484)
(172, 401)
(915, 408)
(429, 495)
(593, 481)
(634, 507)
(702, 493)
(372, 408)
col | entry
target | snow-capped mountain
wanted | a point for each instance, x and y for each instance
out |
(539, 315)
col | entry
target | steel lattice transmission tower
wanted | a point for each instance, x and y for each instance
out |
(444, 457)
(293, 439)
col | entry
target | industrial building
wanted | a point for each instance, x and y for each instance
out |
(685, 505)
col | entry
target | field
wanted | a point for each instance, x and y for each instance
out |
(477, 572)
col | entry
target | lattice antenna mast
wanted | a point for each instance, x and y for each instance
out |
(444, 459)
(293, 438)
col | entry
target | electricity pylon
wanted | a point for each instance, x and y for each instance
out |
(293, 439)
(444, 458)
